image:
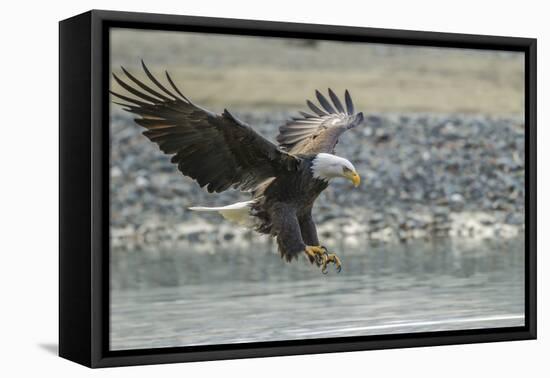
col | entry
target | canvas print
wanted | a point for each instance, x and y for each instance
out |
(267, 189)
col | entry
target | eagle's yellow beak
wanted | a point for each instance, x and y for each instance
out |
(353, 177)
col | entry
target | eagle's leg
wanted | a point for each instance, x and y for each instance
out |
(309, 234)
(317, 253)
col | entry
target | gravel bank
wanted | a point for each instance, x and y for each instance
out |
(424, 176)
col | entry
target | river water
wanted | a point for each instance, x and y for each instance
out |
(180, 297)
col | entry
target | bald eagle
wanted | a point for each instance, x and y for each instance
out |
(221, 152)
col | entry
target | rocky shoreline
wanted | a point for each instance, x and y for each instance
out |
(424, 176)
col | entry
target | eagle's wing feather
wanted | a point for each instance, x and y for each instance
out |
(218, 151)
(319, 132)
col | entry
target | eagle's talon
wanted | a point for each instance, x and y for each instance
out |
(331, 258)
(318, 260)
(321, 257)
(316, 254)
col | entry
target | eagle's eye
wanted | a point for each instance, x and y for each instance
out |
(346, 169)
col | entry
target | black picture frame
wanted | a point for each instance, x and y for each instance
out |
(84, 193)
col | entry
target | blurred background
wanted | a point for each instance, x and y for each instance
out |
(432, 240)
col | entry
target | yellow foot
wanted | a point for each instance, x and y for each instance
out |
(322, 258)
(331, 258)
(315, 253)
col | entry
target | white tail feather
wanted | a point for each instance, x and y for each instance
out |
(238, 212)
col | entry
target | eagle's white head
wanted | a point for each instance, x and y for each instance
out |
(327, 166)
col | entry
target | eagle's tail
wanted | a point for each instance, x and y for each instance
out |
(238, 213)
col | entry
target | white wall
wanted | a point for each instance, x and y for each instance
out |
(28, 148)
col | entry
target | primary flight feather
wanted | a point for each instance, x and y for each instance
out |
(221, 152)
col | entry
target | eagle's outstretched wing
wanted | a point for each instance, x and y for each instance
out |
(319, 132)
(218, 151)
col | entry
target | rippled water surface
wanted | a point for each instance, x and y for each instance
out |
(178, 297)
